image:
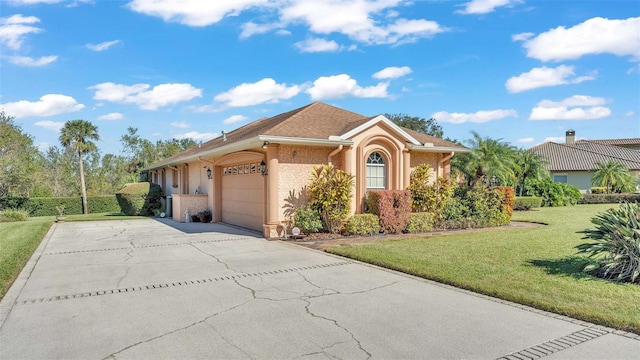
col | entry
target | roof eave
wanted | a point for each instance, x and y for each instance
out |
(249, 144)
(427, 148)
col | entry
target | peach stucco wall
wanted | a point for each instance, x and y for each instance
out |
(182, 202)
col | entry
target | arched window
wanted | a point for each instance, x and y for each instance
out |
(376, 172)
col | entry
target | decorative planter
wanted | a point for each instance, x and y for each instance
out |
(61, 219)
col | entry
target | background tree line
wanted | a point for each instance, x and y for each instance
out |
(25, 171)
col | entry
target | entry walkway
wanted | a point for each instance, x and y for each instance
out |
(146, 290)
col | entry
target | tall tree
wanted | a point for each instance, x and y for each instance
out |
(77, 135)
(614, 176)
(19, 160)
(529, 165)
(426, 126)
(489, 157)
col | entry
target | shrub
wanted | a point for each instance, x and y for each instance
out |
(478, 206)
(363, 224)
(599, 190)
(553, 193)
(393, 207)
(102, 204)
(609, 198)
(426, 196)
(139, 198)
(330, 195)
(527, 202)
(308, 220)
(616, 244)
(13, 215)
(9, 202)
(508, 199)
(420, 222)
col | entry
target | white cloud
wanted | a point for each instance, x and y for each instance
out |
(180, 124)
(544, 76)
(48, 105)
(526, 140)
(630, 114)
(50, 125)
(482, 116)
(633, 69)
(362, 21)
(196, 135)
(522, 36)
(577, 107)
(111, 116)
(594, 36)
(263, 91)
(339, 86)
(32, 62)
(193, 12)
(103, 45)
(234, 119)
(392, 72)
(139, 94)
(249, 29)
(484, 6)
(313, 45)
(370, 22)
(556, 139)
(14, 28)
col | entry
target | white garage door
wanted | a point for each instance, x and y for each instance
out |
(243, 196)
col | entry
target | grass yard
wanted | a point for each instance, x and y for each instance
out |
(532, 266)
(18, 241)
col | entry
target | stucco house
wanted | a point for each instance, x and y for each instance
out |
(251, 176)
(574, 162)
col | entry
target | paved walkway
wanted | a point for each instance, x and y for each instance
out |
(145, 289)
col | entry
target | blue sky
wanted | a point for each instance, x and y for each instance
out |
(521, 70)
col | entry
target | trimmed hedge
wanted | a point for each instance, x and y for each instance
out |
(139, 198)
(393, 207)
(527, 202)
(599, 190)
(363, 224)
(609, 198)
(46, 206)
(420, 222)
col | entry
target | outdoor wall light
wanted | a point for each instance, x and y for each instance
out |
(208, 172)
(262, 167)
(265, 145)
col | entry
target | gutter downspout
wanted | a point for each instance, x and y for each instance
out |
(333, 153)
(441, 162)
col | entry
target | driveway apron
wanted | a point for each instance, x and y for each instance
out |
(147, 289)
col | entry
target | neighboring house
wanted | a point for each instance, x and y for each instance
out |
(574, 162)
(254, 175)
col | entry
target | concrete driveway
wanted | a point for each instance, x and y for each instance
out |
(145, 289)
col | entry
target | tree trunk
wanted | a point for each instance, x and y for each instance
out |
(85, 207)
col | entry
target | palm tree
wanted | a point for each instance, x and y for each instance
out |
(77, 135)
(490, 157)
(529, 165)
(613, 175)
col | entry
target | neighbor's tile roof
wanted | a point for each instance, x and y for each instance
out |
(583, 155)
(314, 121)
(618, 142)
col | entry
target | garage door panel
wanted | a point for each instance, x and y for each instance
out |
(243, 200)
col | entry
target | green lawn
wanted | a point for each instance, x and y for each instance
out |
(532, 266)
(18, 241)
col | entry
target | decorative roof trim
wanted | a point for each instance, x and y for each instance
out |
(375, 120)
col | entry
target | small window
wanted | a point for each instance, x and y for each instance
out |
(376, 172)
(253, 168)
(234, 170)
(560, 178)
(246, 168)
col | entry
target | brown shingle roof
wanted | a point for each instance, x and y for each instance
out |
(314, 121)
(583, 155)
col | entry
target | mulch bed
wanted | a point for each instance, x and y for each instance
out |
(324, 241)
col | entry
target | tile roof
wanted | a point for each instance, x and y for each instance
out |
(582, 155)
(618, 142)
(314, 121)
